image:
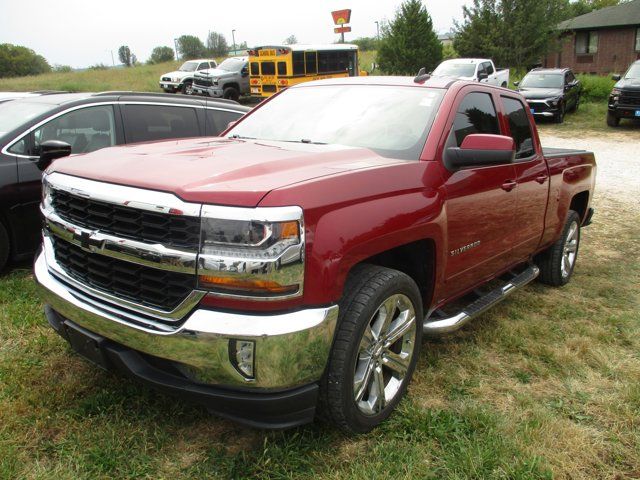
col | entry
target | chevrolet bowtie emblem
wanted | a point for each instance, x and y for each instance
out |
(87, 240)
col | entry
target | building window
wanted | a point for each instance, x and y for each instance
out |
(586, 42)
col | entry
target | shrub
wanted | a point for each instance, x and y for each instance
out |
(595, 87)
(62, 69)
(17, 61)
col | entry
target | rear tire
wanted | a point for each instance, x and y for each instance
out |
(612, 120)
(5, 247)
(231, 93)
(376, 347)
(558, 261)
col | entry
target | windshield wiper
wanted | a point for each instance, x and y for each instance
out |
(235, 135)
(303, 140)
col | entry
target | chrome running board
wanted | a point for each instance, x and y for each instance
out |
(436, 325)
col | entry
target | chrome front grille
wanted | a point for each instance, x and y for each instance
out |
(146, 286)
(166, 229)
(202, 82)
(631, 99)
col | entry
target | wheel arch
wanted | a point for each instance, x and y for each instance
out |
(580, 204)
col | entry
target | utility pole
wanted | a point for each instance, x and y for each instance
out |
(378, 30)
(175, 44)
(233, 37)
(112, 60)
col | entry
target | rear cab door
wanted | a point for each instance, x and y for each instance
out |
(532, 176)
(480, 201)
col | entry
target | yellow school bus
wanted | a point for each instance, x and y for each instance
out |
(275, 67)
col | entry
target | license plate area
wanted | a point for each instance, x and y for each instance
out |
(87, 344)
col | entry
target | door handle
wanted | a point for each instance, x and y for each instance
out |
(509, 185)
(541, 179)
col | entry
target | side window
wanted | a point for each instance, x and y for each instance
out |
(519, 126)
(488, 67)
(218, 120)
(255, 68)
(311, 62)
(476, 114)
(570, 77)
(86, 130)
(282, 69)
(203, 66)
(298, 63)
(212, 65)
(145, 123)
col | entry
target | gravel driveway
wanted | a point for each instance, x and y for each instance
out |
(618, 159)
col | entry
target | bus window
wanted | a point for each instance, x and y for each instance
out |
(311, 62)
(353, 64)
(268, 68)
(298, 63)
(255, 68)
(282, 69)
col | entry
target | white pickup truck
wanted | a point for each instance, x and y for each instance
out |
(475, 69)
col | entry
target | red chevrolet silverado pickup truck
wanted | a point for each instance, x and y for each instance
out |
(291, 267)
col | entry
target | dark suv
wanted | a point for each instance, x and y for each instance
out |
(624, 100)
(551, 92)
(87, 122)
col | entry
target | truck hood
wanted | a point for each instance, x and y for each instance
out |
(218, 171)
(538, 93)
(215, 73)
(177, 74)
(629, 84)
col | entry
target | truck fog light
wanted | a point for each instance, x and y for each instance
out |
(241, 354)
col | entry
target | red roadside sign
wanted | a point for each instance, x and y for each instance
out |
(340, 17)
(341, 29)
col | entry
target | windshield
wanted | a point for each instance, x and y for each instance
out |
(542, 80)
(633, 72)
(393, 121)
(231, 65)
(188, 67)
(451, 69)
(15, 113)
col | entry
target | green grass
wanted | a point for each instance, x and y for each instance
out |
(545, 385)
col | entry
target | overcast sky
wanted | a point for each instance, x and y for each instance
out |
(81, 33)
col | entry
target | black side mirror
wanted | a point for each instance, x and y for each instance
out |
(482, 75)
(51, 150)
(616, 77)
(479, 150)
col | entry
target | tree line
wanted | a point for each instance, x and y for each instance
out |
(515, 33)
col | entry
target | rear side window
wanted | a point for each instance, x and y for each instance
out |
(519, 126)
(255, 68)
(476, 114)
(218, 120)
(144, 123)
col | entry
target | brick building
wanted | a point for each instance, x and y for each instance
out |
(602, 42)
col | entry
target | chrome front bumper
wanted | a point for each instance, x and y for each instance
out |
(291, 349)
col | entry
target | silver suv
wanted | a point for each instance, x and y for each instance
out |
(228, 80)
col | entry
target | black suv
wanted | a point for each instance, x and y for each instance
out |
(624, 100)
(551, 92)
(86, 122)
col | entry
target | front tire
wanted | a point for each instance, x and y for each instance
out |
(187, 88)
(231, 93)
(558, 261)
(612, 120)
(5, 247)
(375, 351)
(559, 117)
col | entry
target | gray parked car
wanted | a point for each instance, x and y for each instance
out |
(228, 80)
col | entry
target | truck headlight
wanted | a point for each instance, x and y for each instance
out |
(214, 81)
(252, 253)
(554, 102)
(46, 193)
(615, 95)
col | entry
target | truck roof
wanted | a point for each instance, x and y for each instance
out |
(471, 61)
(433, 82)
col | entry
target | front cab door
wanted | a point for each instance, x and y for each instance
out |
(480, 202)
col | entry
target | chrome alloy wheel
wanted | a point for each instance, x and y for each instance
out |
(384, 354)
(570, 250)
